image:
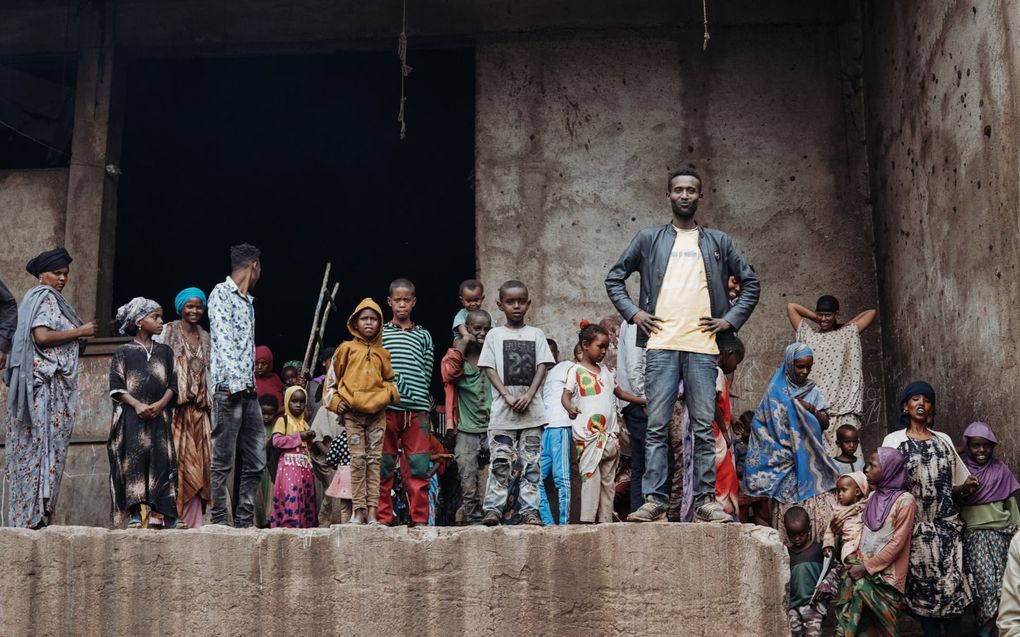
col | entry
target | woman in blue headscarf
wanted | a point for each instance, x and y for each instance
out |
(191, 422)
(786, 458)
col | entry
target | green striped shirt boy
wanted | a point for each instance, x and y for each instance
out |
(412, 355)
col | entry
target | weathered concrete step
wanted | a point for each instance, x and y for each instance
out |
(662, 579)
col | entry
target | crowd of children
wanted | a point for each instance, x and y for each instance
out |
(361, 444)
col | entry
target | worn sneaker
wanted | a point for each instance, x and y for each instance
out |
(648, 512)
(531, 518)
(491, 518)
(711, 511)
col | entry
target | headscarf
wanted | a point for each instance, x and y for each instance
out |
(786, 457)
(289, 423)
(18, 375)
(893, 483)
(270, 383)
(792, 353)
(186, 295)
(827, 303)
(133, 311)
(860, 479)
(918, 387)
(295, 364)
(996, 481)
(49, 261)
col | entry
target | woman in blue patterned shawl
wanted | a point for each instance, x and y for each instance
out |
(786, 458)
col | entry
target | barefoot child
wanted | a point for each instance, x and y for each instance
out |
(592, 386)
(468, 400)
(143, 466)
(359, 388)
(992, 519)
(848, 439)
(805, 568)
(515, 357)
(871, 594)
(472, 294)
(294, 487)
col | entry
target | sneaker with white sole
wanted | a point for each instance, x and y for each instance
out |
(648, 512)
(711, 511)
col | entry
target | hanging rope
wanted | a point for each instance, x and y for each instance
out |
(405, 70)
(704, 14)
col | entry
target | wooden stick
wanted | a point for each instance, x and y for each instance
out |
(315, 318)
(322, 327)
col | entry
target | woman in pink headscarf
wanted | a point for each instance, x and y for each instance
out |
(992, 518)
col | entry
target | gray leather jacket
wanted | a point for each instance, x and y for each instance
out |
(648, 254)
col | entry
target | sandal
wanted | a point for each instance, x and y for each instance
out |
(135, 522)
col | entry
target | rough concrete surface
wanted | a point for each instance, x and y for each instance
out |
(659, 579)
(943, 96)
(32, 204)
(575, 138)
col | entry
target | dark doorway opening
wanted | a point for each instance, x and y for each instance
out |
(299, 155)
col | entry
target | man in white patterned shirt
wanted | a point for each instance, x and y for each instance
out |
(237, 419)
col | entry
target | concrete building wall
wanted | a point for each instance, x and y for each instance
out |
(943, 87)
(423, 581)
(575, 138)
(32, 205)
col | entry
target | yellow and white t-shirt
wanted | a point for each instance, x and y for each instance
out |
(683, 300)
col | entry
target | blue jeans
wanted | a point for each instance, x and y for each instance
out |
(236, 428)
(637, 426)
(556, 444)
(664, 369)
(505, 446)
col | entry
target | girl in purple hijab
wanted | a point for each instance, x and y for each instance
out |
(871, 594)
(992, 518)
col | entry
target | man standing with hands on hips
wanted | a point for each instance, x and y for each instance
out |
(684, 314)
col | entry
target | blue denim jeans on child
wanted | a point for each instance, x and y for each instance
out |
(664, 369)
(504, 446)
(556, 449)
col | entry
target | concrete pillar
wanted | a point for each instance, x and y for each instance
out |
(91, 192)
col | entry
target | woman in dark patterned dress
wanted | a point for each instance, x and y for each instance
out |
(937, 590)
(143, 465)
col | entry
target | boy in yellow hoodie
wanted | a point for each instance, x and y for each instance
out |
(359, 386)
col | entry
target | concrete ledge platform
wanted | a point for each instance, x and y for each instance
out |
(654, 579)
